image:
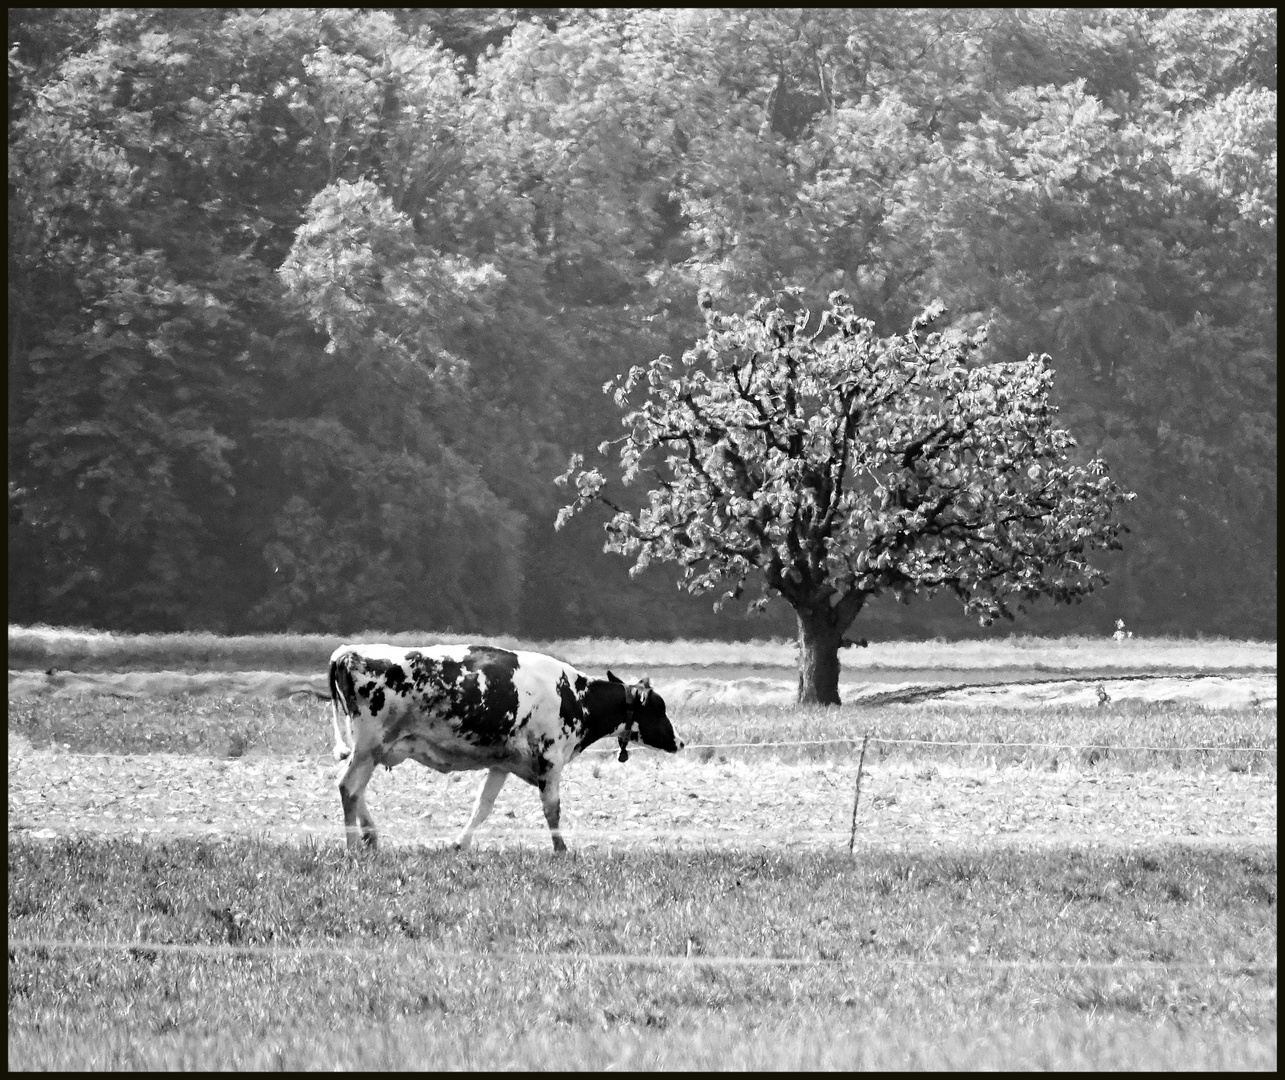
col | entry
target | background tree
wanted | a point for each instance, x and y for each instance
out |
(840, 465)
(210, 306)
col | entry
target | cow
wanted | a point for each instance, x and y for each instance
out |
(457, 707)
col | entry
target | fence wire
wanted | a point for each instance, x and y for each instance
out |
(537, 836)
(856, 739)
(692, 960)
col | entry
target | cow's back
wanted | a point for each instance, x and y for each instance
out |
(550, 693)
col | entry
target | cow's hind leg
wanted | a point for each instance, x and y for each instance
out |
(485, 800)
(549, 798)
(358, 824)
(342, 748)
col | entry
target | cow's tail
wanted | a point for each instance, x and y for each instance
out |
(339, 700)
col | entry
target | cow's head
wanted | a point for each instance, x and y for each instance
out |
(645, 719)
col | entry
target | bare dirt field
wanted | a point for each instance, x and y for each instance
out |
(715, 802)
(652, 799)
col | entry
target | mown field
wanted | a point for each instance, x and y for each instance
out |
(939, 961)
(1040, 952)
(1127, 735)
(42, 647)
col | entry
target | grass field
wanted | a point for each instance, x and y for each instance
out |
(1111, 955)
(943, 961)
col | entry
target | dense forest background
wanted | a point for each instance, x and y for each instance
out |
(308, 308)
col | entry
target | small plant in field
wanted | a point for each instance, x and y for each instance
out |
(1092, 755)
(241, 735)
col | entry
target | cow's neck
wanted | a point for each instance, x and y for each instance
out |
(604, 710)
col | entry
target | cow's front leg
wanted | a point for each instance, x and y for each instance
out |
(552, 808)
(485, 800)
(358, 824)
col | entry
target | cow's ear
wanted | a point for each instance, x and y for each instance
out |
(645, 682)
(612, 678)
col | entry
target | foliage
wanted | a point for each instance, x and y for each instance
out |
(411, 244)
(1105, 252)
(851, 465)
(165, 425)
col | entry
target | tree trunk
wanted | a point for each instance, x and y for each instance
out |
(819, 637)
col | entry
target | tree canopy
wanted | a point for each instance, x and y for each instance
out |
(840, 465)
(307, 307)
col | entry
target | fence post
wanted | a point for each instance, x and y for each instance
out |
(852, 838)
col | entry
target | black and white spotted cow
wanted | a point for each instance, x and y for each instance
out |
(456, 707)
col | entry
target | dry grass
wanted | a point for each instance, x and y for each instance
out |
(1073, 1042)
(1076, 1041)
(210, 725)
(44, 647)
(1045, 654)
